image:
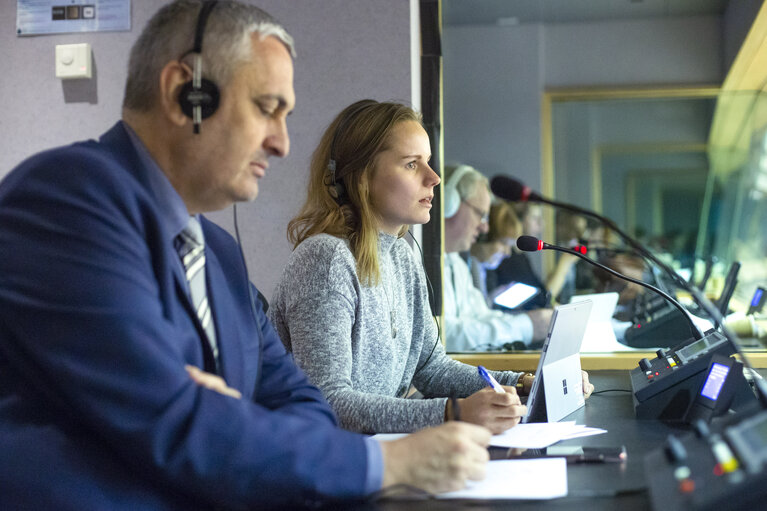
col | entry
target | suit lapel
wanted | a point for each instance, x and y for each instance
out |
(221, 306)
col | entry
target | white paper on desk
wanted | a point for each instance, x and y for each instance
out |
(388, 437)
(584, 431)
(543, 478)
(534, 435)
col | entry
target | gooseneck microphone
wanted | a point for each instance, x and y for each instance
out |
(511, 189)
(531, 244)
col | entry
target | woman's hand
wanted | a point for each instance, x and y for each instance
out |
(495, 411)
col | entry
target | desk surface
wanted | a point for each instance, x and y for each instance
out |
(592, 486)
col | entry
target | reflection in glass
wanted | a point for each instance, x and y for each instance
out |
(647, 159)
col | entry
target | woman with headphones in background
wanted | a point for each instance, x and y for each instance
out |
(352, 303)
(492, 248)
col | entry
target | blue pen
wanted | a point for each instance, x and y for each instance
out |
(490, 380)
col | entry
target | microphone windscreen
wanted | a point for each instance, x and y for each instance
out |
(528, 244)
(507, 188)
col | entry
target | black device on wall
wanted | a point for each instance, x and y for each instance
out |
(199, 97)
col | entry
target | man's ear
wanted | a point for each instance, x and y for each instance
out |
(172, 77)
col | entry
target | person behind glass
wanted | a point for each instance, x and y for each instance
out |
(559, 284)
(352, 303)
(571, 229)
(108, 398)
(471, 325)
(493, 247)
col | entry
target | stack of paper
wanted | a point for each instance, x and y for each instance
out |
(537, 435)
(543, 478)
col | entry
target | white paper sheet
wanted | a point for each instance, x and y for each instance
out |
(537, 435)
(544, 478)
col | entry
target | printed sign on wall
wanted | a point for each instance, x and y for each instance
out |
(59, 16)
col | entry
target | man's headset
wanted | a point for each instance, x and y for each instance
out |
(451, 197)
(199, 97)
(334, 182)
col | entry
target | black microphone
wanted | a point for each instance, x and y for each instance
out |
(511, 189)
(531, 244)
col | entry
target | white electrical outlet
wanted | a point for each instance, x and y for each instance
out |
(73, 61)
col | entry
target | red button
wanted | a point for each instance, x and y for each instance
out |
(687, 486)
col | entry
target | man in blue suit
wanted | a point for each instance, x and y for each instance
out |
(113, 393)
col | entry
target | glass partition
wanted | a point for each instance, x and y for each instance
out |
(734, 229)
(653, 160)
(639, 158)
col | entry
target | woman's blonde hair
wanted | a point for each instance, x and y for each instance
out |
(503, 222)
(351, 142)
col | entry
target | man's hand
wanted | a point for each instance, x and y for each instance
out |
(212, 382)
(588, 388)
(541, 319)
(437, 459)
(497, 412)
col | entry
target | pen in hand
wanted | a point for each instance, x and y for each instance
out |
(490, 380)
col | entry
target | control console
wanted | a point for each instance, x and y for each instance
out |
(664, 387)
(723, 466)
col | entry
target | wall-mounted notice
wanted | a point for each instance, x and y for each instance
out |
(60, 16)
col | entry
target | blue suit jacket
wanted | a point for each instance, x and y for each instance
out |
(96, 408)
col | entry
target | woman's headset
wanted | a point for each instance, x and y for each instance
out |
(335, 183)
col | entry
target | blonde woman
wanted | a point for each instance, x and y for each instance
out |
(352, 302)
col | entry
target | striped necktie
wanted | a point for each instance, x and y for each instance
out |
(190, 245)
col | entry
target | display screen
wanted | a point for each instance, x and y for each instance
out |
(695, 348)
(757, 297)
(516, 294)
(716, 377)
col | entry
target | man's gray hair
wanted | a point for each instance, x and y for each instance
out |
(470, 181)
(169, 35)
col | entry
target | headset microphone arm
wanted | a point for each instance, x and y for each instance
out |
(526, 243)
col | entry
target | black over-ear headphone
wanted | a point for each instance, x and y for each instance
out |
(335, 184)
(199, 97)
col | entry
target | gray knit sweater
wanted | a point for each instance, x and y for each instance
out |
(361, 345)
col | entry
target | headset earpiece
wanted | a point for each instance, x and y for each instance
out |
(204, 98)
(452, 199)
(199, 97)
(335, 184)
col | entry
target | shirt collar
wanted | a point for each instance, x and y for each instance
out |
(169, 201)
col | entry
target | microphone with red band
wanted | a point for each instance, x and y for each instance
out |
(511, 189)
(531, 244)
